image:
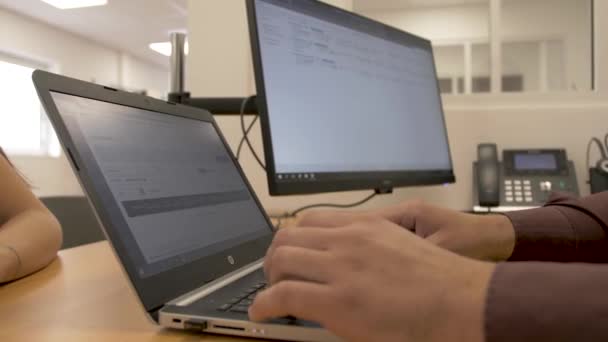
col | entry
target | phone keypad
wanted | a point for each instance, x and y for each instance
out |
(518, 191)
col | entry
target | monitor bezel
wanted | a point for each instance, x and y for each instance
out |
(382, 181)
(156, 290)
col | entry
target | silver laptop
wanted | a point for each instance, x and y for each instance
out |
(174, 204)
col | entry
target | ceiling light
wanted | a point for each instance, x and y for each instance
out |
(69, 4)
(164, 48)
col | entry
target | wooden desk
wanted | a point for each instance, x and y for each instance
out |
(82, 296)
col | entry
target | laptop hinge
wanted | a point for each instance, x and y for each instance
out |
(217, 284)
(154, 313)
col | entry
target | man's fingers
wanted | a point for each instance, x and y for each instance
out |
(403, 214)
(435, 239)
(300, 264)
(335, 218)
(309, 238)
(329, 218)
(406, 214)
(304, 300)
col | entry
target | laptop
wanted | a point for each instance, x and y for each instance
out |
(174, 204)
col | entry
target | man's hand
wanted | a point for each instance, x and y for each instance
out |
(372, 280)
(484, 237)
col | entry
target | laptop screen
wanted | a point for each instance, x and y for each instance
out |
(169, 186)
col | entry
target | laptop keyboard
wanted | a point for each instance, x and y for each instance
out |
(241, 303)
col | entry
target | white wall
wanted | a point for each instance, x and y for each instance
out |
(77, 57)
(70, 54)
(138, 75)
(220, 65)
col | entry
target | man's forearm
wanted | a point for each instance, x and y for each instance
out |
(498, 238)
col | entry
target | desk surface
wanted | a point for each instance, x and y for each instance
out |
(81, 296)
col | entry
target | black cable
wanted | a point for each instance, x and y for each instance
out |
(279, 222)
(241, 117)
(245, 132)
(599, 144)
(330, 205)
(238, 150)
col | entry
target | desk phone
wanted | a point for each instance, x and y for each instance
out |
(523, 179)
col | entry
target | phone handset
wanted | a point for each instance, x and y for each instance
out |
(488, 175)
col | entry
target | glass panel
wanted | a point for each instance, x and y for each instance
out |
(480, 56)
(548, 43)
(450, 64)
(556, 65)
(451, 26)
(521, 64)
(445, 85)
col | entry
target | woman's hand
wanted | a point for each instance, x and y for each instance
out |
(9, 263)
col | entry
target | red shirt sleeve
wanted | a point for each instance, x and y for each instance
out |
(541, 301)
(565, 230)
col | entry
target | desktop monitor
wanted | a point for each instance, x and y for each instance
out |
(346, 103)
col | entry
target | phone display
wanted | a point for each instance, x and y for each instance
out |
(537, 162)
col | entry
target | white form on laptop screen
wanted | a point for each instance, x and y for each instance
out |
(172, 178)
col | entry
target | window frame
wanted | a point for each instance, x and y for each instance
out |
(596, 97)
(466, 45)
(52, 149)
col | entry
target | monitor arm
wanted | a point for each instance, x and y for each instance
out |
(215, 105)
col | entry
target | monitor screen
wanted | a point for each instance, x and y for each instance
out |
(346, 102)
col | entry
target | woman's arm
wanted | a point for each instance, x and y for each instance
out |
(30, 236)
